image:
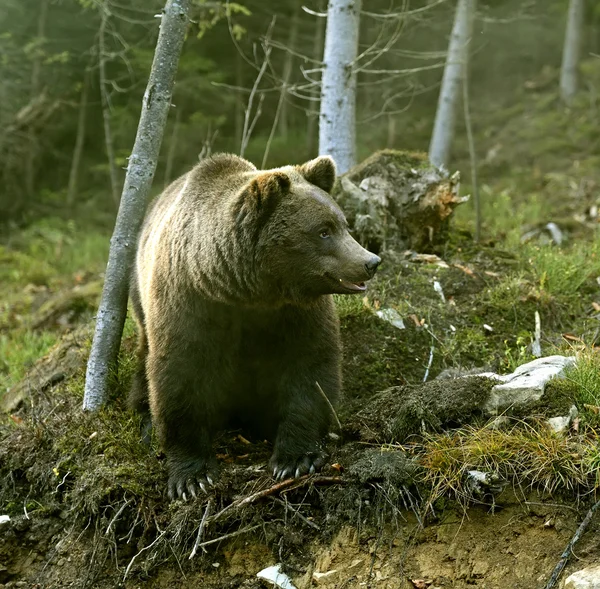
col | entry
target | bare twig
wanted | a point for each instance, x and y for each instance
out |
(402, 13)
(426, 376)
(249, 126)
(564, 557)
(116, 516)
(231, 535)
(201, 529)
(274, 125)
(337, 420)
(296, 512)
(286, 485)
(314, 12)
(142, 550)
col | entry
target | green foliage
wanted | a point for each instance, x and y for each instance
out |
(585, 377)
(564, 272)
(18, 353)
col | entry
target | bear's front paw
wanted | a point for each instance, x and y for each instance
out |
(188, 477)
(295, 466)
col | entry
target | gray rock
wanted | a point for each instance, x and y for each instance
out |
(526, 384)
(588, 578)
(561, 423)
(391, 316)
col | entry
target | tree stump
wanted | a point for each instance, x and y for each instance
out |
(399, 200)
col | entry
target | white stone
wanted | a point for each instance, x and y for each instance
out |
(391, 316)
(274, 576)
(562, 423)
(588, 578)
(4, 519)
(526, 384)
(329, 576)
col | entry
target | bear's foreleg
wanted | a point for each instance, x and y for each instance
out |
(304, 415)
(186, 392)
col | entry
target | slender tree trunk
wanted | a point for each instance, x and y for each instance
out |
(472, 155)
(391, 130)
(312, 140)
(172, 148)
(337, 119)
(569, 71)
(110, 152)
(138, 180)
(239, 103)
(287, 72)
(36, 70)
(456, 64)
(78, 149)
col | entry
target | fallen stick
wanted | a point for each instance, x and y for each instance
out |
(297, 513)
(564, 558)
(287, 485)
(201, 529)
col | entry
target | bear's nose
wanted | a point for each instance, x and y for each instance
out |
(371, 265)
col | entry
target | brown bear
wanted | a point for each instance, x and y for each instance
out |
(231, 291)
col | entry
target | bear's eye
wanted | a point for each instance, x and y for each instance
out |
(325, 233)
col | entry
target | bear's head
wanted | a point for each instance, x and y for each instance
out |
(303, 245)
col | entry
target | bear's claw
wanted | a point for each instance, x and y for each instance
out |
(297, 467)
(188, 480)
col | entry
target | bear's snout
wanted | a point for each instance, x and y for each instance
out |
(372, 265)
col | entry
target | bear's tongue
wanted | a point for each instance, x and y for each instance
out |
(357, 286)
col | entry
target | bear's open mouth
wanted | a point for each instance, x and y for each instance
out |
(352, 286)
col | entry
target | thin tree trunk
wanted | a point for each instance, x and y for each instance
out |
(391, 130)
(569, 71)
(456, 64)
(78, 149)
(472, 156)
(337, 118)
(172, 148)
(239, 103)
(287, 72)
(36, 70)
(110, 152)
(138, 180)
(312, 140)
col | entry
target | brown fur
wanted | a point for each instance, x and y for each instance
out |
(231, 292)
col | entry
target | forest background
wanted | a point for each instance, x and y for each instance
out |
(64, 144)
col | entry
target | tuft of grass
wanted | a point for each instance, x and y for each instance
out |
(526, 455)
(564, 272)
(585, 378)
(18, 352)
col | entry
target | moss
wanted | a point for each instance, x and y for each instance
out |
(397, 413)
(559, 396)
(387, 465)
(389, 160)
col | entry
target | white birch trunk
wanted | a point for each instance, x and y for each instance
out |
(456, 68)
(140, 172)
(337, 119)
(569, 71)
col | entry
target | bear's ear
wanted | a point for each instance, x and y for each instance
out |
(320, 172)
(266, 190)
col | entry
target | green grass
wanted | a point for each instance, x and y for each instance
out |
(524, 455)
(17, 354)
(585, 377)
(564, 271)
(39, 262)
